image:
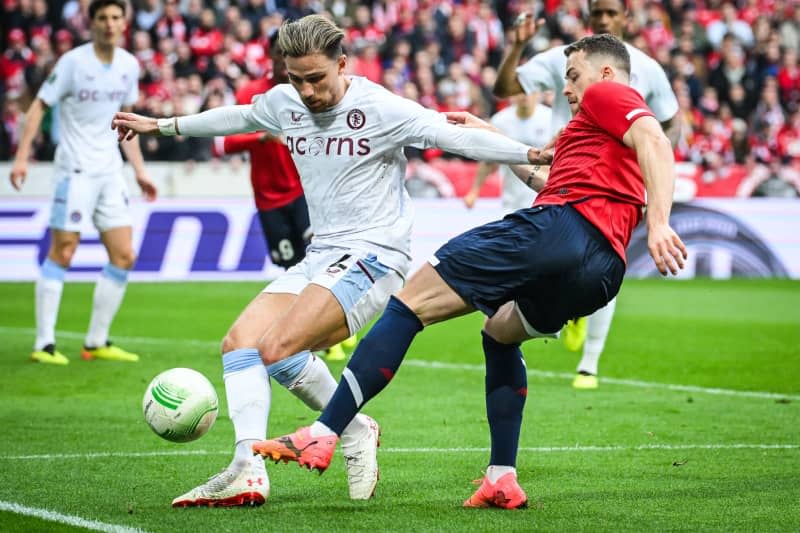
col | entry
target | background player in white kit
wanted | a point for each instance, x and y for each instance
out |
(89, 84)
(526, 121)
(346, 136)
(545, 71)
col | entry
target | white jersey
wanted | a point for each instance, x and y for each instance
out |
(351, 163)
(546, 71)
(88, 93)
(533, 131)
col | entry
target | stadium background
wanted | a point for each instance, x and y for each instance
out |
(733, 66)
(694, 427)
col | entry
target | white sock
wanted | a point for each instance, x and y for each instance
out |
(249, 396)
(108, 294)
(318, 429)
(597, 327)
(243, 454)
(49, 287)
(315, 386)
(495, 472)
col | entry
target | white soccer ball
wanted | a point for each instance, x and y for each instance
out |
(180, 405)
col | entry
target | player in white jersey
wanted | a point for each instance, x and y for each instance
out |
(89, 84)
(545, 71)
(346, 136)
(527, 121)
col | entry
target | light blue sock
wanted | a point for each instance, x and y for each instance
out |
(285, 372)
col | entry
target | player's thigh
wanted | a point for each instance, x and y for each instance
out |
(431, 298)
(73, 201)
(110, 207)
(360, 283)
(256, 319)
(507, 326)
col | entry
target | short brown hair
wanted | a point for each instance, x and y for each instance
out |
(97, 5)
(605, 45)
(312, 34)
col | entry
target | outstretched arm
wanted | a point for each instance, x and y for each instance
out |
(654, 153)
(218, 121)
(496, 141)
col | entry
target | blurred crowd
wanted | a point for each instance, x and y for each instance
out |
(733, 65)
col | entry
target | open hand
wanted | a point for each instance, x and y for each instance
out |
(130, 124)
(666, 248)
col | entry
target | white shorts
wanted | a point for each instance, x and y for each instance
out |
(79, 196)
(361, 284)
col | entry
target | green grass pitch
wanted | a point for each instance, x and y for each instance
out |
(695, 427)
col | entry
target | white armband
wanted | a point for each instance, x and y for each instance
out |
(168, 127)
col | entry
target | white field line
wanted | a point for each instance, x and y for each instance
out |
(419, 363)
(52, 516)
(539, 449)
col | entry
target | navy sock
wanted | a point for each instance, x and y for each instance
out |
(373, 364)
(506, 390)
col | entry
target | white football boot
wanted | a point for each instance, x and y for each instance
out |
(361, 461)
(233, 487)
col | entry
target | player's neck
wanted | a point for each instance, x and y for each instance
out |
(104, 53)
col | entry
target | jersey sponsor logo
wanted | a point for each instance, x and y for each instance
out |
(356, 119)
(327, 146)
(52, 78)
(95, 95)
(296, 117)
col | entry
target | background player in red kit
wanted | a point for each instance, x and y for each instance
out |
(530, 272)
(276, 184)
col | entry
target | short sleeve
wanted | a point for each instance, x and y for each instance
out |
(263, 111)
(614, 107)
(57, 85)
(133, 91)
(537, 74)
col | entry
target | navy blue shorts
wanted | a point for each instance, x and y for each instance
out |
(549, 259)
(288, 232)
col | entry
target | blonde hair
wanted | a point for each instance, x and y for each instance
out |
(313, 34)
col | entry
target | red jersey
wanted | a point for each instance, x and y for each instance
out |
(592, 167)
(273, 175)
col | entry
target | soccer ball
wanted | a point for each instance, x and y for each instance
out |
(180, 405)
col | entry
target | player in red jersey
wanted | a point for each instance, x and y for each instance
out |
(278, 193)
(530, 272)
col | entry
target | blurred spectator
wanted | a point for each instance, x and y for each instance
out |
(17, 57)
(788, 78)
(730, 23)
(148, 14)
(366, 62)
(206, 39)
(734, 70)
(170, 23)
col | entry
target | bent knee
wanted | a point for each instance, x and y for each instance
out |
(274, 348)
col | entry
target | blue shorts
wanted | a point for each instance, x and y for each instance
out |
(554, 263)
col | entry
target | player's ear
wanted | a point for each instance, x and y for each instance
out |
(342, 63)
(607, 73)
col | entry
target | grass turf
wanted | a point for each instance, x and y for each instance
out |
(633, 455)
